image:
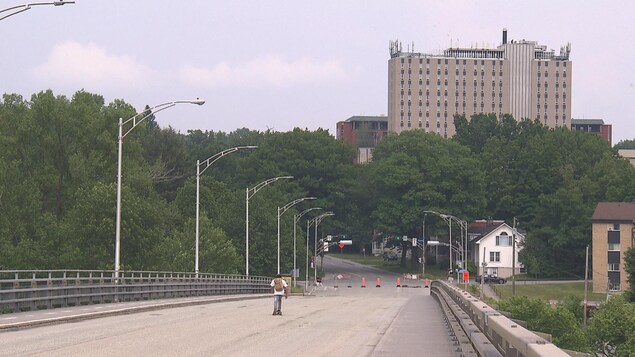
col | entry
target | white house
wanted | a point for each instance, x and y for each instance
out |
(495, 244)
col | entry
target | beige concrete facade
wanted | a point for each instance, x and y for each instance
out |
(628, 154)
(600, 257)
(613, 230)
(521, 78)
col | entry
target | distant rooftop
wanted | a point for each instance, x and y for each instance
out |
(587, 121)
(367, 118)
(614, 211)
(540, 51)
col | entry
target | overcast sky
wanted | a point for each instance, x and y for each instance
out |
(307, 64)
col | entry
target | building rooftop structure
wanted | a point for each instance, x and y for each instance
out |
(614, 211)
(366, 118)
(363, 132)
(518, 77)
(587, 122)
(595, 126)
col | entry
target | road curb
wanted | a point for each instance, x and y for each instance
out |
(123, 311)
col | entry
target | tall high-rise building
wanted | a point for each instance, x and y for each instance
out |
(520, 78)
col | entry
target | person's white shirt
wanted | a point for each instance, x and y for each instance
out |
(284, 286)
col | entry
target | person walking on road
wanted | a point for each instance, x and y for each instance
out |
(280, 289)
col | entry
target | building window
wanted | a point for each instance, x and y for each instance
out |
(616, 227)
(614, 267)
(494, 256)
(614, 247)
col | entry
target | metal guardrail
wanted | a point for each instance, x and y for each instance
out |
(29, 290)
(486, 328)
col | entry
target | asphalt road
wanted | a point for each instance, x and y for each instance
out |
(355, 321)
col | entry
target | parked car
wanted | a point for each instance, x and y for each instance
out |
(489, 279)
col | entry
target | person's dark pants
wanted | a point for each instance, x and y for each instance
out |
(277, 303)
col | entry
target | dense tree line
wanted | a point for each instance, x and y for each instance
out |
(58, 160)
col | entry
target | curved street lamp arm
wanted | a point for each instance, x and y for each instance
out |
(212, 159)
(252, 191)
(446, 217)
(319, 218)
(461, 222)
(282, 210)
(315, 219)
(14, 13)
(299, 215)
(24, 7)
(157, 108)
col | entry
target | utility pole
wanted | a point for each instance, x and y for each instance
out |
(423, 246)
(514, 259)
(484, 264)
(586, 282)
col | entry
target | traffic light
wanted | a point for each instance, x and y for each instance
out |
(399, 238)
(343, 236)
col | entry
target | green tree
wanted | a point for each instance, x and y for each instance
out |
(416, 171)
(560, 323)
(612, 328)
(475, 133)
(629, 267)
(216, 252)
(625, 144)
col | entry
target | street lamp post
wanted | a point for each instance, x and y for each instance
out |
(296, 218)
(136, 120)
(22, 8)
(448, 218)
(207, 163)
(317, 221)
(281, 211)
(464, 233)
(423, 248)
(449, 222)
(249, 193)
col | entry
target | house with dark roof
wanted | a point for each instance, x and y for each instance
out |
(491, 247)
(613, 234)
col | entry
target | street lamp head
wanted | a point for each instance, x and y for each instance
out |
(60, 3)
(198, 101)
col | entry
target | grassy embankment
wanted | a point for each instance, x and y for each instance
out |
(556, 291)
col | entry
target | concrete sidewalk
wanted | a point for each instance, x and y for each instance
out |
(411, 334)
(84, 312)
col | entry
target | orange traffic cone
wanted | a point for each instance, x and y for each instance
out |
(378, 283)
(398, 282)
(363, 282)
